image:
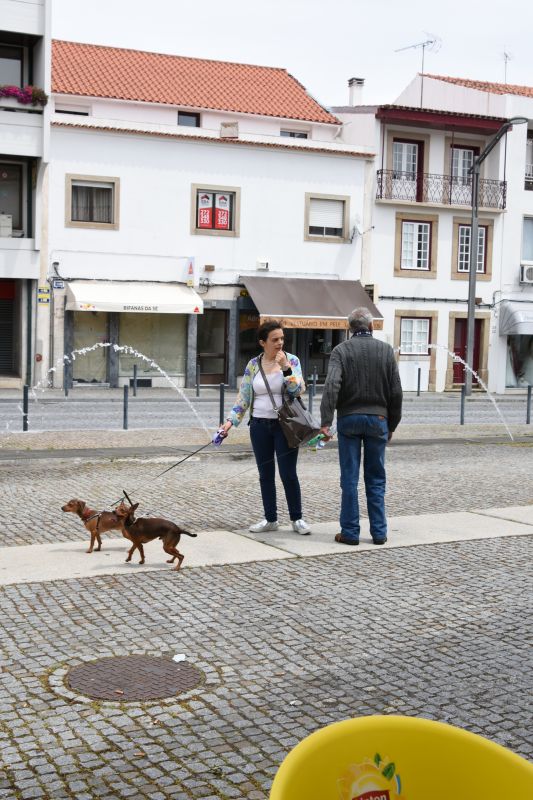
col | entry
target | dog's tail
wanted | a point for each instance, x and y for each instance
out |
(194, 535)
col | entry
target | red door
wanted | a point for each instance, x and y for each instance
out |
(459, 348)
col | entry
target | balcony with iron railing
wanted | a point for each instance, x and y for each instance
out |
(434, 189)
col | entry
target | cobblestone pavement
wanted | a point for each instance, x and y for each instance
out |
(288, 646)
(217, 490)
(438, 631)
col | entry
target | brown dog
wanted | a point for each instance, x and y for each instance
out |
(146, 529)
(96, 522)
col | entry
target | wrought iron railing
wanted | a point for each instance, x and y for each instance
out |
(443, 189)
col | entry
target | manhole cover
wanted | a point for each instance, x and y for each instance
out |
(134, 678)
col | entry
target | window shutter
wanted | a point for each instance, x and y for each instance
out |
(326, 213)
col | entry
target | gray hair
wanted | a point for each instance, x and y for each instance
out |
(360, 319)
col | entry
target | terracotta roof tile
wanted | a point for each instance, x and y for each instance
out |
(485, 86)
(97, 71)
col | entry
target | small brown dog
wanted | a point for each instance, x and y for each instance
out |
(96, 522)
(146, 529)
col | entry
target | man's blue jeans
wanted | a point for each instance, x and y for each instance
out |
(372, 432)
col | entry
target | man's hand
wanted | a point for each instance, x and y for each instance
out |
(326, 432)
(390, 436)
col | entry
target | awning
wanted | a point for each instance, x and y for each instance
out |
(133, 297)
(309, 302)
(516, 318)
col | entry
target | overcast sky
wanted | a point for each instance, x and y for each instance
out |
(321, 42)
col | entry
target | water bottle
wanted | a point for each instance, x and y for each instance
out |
(219, 437)
(317, 442)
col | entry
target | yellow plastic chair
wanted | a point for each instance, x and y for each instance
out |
(400, 758)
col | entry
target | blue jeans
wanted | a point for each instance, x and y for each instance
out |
(268, 438)
(372, 432)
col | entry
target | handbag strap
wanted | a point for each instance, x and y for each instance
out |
(269, 390)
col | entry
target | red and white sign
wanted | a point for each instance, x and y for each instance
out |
(205, 210)
(222, 206)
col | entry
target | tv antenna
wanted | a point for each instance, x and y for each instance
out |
(433, 44)
(506, 58)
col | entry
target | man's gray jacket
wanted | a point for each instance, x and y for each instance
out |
(362, 378)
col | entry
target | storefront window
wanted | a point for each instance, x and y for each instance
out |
(519, 361)
(160, 337)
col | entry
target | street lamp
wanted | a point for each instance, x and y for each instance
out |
(474, 232)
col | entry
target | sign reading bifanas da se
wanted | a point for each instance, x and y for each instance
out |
(152, 309)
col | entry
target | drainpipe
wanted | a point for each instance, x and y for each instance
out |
(29, 325)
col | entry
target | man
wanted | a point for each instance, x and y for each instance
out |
(363, 384)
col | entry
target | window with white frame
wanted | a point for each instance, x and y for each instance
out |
(92, 201)
(416, 242)
(405, 159)
(462, 162)
(326, 217)
(527, 239)
(414, 336)
(463, 249)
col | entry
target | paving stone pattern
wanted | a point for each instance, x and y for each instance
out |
(219, 490)
(436, 631)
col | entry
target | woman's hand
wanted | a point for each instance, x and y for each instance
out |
(227, 425)
(282, 360)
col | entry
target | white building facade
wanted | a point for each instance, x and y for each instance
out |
(147, 198)
(418, 227)
(24, 148)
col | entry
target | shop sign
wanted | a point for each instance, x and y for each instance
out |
(43, 294)
(309, 323)
(205, 210)
(222, 212)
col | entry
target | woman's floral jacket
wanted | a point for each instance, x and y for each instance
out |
(294, 385)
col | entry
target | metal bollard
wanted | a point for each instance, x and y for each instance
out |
(310, 403)
(197, 379)
(135, 380)
(221, 405)
(65, 382)
(463, 398)
(25, 391)
(528, 412)
(125, 415)
(315, 377)
(419, 377)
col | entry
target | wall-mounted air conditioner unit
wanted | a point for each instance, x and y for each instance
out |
(526, 273)
(6, 225)
(261, 265)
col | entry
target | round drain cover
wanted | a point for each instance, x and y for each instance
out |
(134, 678)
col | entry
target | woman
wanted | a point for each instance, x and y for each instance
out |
(281, 370)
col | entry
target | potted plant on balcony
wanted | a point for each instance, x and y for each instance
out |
(10, 96)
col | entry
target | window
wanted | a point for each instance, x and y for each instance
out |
(414, 336)
(462, 162)
(10, 65)
(92, 202)
(294, 134)
(416, 240)
(326, 217)
(189, 119)
(215, 210)
(11, 193)
(527, 239)
(405, 159)
(463, 249)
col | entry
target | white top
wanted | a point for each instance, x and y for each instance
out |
(262, 402)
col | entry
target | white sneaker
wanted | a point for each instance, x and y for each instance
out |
(263, 526)
(301, 526)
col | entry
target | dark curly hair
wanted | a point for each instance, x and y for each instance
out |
(268, 327)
